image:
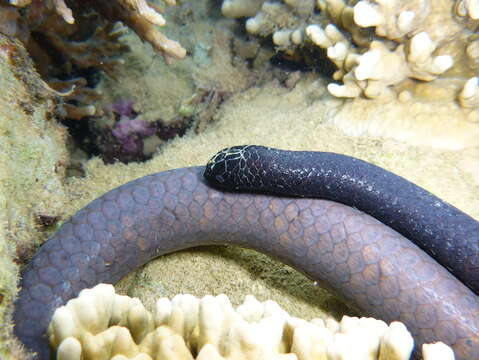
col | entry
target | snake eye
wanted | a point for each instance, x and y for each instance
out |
(220, 179)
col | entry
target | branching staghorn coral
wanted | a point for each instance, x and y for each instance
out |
(142, 18)
(67, 37)
(380, 48)
(137, 14)
(100, 324)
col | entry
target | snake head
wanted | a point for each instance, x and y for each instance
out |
(228, 167)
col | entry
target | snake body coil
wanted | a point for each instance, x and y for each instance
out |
(443, 231)
(365, 261)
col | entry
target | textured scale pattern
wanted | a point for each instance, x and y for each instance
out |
(443, 231)
(366, 262)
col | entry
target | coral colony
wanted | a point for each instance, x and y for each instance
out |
(213, 330)
(65, 40)
(366, 39)
(130, 129)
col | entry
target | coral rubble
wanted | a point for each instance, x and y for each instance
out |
(380, 48)
(100, 324)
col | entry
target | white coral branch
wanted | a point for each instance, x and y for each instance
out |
(100, 323)
(423, 64)
(146, 11)
(64, 11)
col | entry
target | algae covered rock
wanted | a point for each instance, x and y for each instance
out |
(32, 166)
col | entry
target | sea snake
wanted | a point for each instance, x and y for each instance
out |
(339, 246)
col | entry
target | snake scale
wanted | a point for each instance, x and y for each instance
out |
(353, 239)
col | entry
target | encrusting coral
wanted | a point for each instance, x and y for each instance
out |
(125, 140)
(100, 324)
(380, 48)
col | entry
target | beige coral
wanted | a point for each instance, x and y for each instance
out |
(380, 64)
(141, 16)
(469, 96)
(392, 19)
(100, 324)
(468, 7)
(84, 41)
(437, 351)
(379, 47)
(64, 11)
(240, 8)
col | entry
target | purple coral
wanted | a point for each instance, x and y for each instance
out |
(123, 108)
(124, 141)
(131, 132)
(127, 134)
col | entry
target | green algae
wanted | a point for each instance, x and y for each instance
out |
(33, 156)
